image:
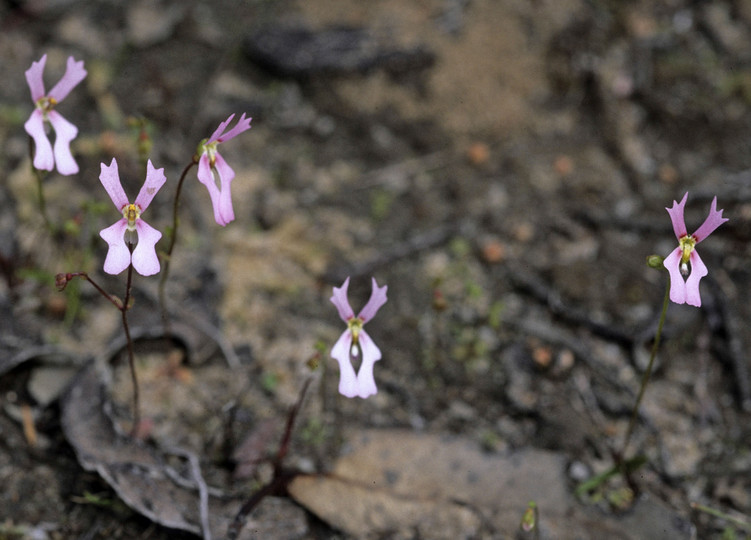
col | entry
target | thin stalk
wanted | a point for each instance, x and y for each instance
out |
(737, 521)
(648, 372)
(280, 478)
(41, 201)
(61, 282)
(284, 445)
(131, 355)
(173, 239)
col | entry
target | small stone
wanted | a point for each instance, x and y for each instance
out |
(542, 357)
(493, 251)
(565, 361)
(478, 153)
(579, 472)
(668, 173)
(150, 23)
(48, 382)
(524, 232)
(78, 30)
(563, 165)
(459, 410)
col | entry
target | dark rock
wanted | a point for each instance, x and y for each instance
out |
(299, 52)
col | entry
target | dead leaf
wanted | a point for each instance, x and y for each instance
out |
(141, 477)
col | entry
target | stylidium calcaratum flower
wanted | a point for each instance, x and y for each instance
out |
(355, 343)
(45, 157)
(213, 171)
(131, 239)
(684, 264)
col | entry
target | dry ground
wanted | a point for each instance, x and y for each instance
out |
(505, 173)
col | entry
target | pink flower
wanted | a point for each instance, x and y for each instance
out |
(677, 263)
(45, 158)
(355, 342)
(131, 229)
(213, 171)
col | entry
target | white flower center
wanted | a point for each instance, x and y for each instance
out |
(687, 244)
(355, 325)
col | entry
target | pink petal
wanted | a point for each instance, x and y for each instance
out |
(35, 81)
(677, 285)
(155, 179)
(145, 260)
(110, 179)
(676, 216)
(44, 159)
(74, 74)
(118, 256)
(220, 130)
(339, 299)
(206, 177)
(226, 175)
(348, 383)
(714, 220)
(242, 125)
(64, 133)
(366, 385)
(698, 271)
(377, 299)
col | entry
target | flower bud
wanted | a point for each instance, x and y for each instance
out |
(529, 518)
(61, 281)
(654, 261)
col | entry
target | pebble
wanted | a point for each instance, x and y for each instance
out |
(149, 22)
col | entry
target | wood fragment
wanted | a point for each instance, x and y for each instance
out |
(29, 429)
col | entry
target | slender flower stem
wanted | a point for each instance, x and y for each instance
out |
(648, 372)
(123, 305)
(173, 239)
(40, 189)
(284, 445)
(64, 278)
(280, 478)
(131, 355)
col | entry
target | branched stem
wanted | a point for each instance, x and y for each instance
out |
(123, 306)
(281, 477)
(172, 241)
(83, 275)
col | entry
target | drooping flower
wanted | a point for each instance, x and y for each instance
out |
(213, 171)
(684, 261)
(355, 342)
(45, 157)
(131, 229)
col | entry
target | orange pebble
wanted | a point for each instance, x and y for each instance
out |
(478, 153)
(493, 251)
(563, 165)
